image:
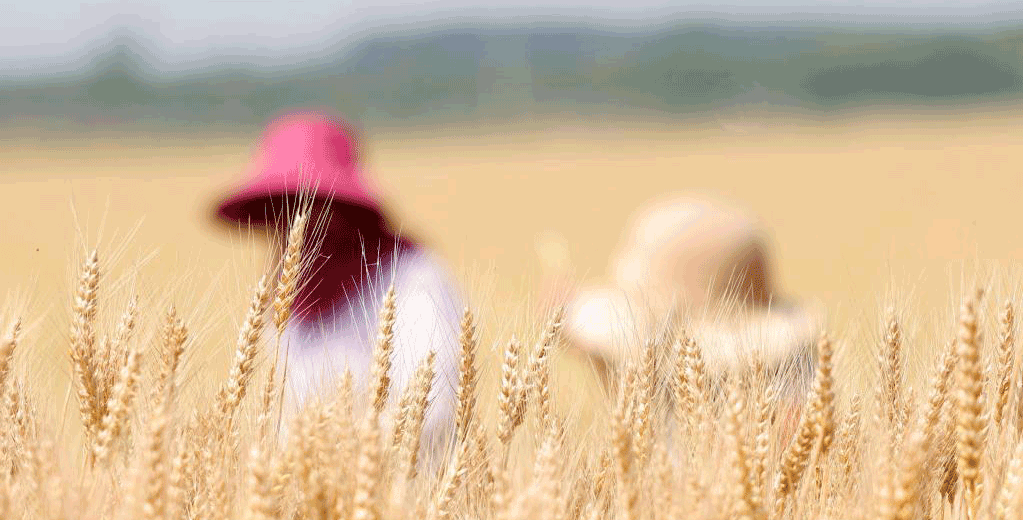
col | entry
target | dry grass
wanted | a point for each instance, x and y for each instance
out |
(680, 441)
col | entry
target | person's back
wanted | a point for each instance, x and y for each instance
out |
(427, 309)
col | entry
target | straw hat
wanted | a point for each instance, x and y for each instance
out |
(708, 262)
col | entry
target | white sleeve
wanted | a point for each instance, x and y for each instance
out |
(429, 308)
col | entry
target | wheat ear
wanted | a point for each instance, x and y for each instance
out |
(510, 415)
(234, 391)
(156, 468)
(173, 337)
(83, 345)
(1006, 361)
(745, 505)
(442, 504)
(381, 381)
(796, 456)
(118, 408)
(260, 504)
(623, 455)
(540, 372)
(643, 414)
(902, 491)
(467, 377)
(368, 471)
(969, 409)
(291, 270)
(1010, 498)
(890, 398)
(7, 346)
(409, 440)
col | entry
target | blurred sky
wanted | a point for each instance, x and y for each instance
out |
(45, 33)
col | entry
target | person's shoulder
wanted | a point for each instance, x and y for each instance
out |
(426, 293)
(425, 271)
(421, 262)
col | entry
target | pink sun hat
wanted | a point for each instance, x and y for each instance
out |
(308, 153)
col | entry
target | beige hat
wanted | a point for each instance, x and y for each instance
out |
(705, 260)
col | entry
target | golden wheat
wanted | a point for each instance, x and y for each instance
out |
(671, 443)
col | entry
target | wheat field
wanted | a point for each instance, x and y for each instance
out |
(678, 440)
(134, 395)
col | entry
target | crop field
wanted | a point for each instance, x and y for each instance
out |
(913, 412)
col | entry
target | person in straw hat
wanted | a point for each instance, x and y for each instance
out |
(705, 263)
(310, 160)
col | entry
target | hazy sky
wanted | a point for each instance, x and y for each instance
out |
(37, 32)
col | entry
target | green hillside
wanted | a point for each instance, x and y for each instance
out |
(454, 74)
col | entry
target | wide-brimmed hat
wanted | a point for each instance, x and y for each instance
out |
(705, 263)
(312, 154)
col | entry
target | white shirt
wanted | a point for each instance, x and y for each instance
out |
(428, 316)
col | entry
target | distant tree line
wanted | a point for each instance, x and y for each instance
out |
(471, 73)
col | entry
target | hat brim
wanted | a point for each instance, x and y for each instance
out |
(255, 204)
(778, 335)
(259, 208)
(604, 323)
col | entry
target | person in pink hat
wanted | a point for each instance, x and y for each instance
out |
(311, 158)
